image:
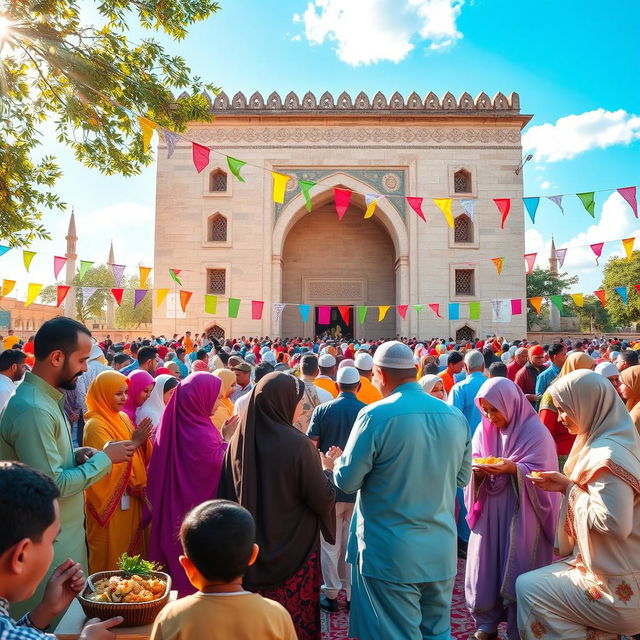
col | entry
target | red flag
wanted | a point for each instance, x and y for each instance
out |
(185, 296)
(342, 198)
(256, 309)
(117, 294)
(597, 249)
(530, 258)
(637, 286)
(629, 194)
(200, 156)
(344, 312)
(402, 310)
(416, 205)
(62, 293)
(436, 309)
(602, 296)
(503, 204)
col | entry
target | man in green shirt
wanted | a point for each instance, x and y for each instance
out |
(34, 430)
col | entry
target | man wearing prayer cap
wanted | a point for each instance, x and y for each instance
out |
(367, 393)
(520, 358)
(527, 377)
(402, 542)
(326, 379)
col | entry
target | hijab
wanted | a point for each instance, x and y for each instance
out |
(575, 361)
(428, 382)
(630, 377)
(139, 381)
(228, 379)
(153, 406)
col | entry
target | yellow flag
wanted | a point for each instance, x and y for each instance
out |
(536, 303)
(144, 274)
(444, 204)
(161, 294)
(371, 207)
(148, 128)
(382, 312)
(279, 185)
(627, 243)
(578, 298)
(7, 287)
(33, 291)
(27, 257)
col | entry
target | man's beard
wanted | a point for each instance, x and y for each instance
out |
(70, 384)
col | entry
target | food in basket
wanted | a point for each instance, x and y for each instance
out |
(133, 589)
(489, 460)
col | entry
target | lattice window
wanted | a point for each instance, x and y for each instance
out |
(465, 282)
(217, 228)
(463, 229)
(217, 332)
(217, 181)
(465, 333)
(462, 181)
(216, 281)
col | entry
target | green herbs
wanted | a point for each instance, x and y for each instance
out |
(136, 566)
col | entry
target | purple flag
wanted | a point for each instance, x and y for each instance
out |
(277, 310)
(557, 200)
(118, 270)
(138, 296)
(170, 139)
(87, 292)
(560, 255)
(469, 207)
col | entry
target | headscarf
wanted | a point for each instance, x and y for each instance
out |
(429, 381)
(228, 379)
(630, 377)
(272, 469)
(607, 369)
(153, 406)
(140, 380)
(575, 361)
(443, 359)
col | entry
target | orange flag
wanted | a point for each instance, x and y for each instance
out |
(602, 296)
(536, 303)
(498, 262)
(144, 274)
(627, 243)
(185, 296)
(7, 287)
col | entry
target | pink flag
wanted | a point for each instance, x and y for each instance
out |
(516, 307)
(342, 198)
(324, 315)
(200, 156)
(435, 307)
(402, 310)
(58, 263)
(629, 194)
(416, 205)
(256, 309)
(560, 255)
(138, 296)
(530, 259)
(597, 249)
(503, 204)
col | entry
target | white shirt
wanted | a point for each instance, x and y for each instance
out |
(241, 405)
(7, 387)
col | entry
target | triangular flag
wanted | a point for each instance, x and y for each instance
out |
(454, 311)
(504, 205)
(324, 315)
(536, 303)
(418, 307)
(200, 156)
(170, 139)
(602, 296)
(588, 200)
(161, 294)
(444, 204)
(597, 249)
(279, 186)
(578, 299)
(61, 294)
(622, 292)
(3, 249)
(305, 187)
(58, 263)
(435, 307)
(174, 273)
(138, 296)
(148, 128)
(560, 255)
(637, 286)
(27, 257)
(33, 291)
(278, 308)
(531, 205)
(627, 243)
(402, 310)
(85, 265)
(234, 307)
(304, 311)
(144, 274)
(629, 194)
(87, 292)
(558, 201)
(342, 197)
(557, 301)
(7, 287)
(382, 312)
(474, 311)
(185, 296)
(344, 312)
(469, 207)
(234, 166)
(210, 303)
(530, 259)
(516, 307)
(117, 294)
(416, 205)
(362, 314)
(256, 309)
(118, 271)
(498, 262)
(370, 199)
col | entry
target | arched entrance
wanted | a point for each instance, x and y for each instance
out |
(216, 331)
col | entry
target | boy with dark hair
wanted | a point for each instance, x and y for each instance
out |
(218, 541)
(30, 515)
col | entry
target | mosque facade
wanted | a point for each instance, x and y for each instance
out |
(230, 239)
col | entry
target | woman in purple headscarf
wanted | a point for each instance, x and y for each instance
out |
(140, 387)
(512, 521)
(185, 467)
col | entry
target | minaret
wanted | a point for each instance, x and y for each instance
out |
(70, 309)
(554, 314)
(111, 318)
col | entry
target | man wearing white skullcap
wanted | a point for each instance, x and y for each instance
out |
(367, 393)
(405, 457)
(326, 379)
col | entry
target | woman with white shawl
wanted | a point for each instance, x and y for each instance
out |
(153, 406)
(594, 592)
(433, 385)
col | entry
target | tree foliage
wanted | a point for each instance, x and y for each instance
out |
(126, 316)
(593, 316)
(542, 283)
(89, 81)
(619, 272)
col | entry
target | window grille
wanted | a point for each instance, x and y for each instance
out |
(218, 181)
(216, 281)
(465, 333)
(465, 282)
(218, 229)
(463, 229)
(462, 181)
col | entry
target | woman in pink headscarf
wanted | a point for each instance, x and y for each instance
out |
(140, 387)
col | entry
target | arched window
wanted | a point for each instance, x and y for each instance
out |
(216, 331)
(29, 325)
(464, 282)
(218, 181)
(216, 281)
(462, 181)
(463, 229)
(217, 228)
(465, 333)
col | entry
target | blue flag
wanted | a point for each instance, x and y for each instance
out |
(454, 311)
(304, 311)
(622, 292)
(532, 206)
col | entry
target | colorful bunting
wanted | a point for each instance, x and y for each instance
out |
(210, 303)
(185, 296)
(144, 275)
(148, 128)
(370, 199)
(61, 294)
(174, 273)
(627, 244)
(3, 249)
(597, 249)
(256, 309)
(27, 257)
(454, 311)
(531, 205)
(234, 166)
(138, 296)
(85, 265)
(33, 291)
(170, 139)
(530, 259)
(362, 314)
(557, 302)
(234, 307)
(279, 186)
(560, 256)
(498, 262)
(402, 310)
(504, 205)
(305, 188)
(444, 204)
(602, 296)
(416, 205)
(629, 194)
(622, 292)
(588, 200)
(304, 312)
(536, 303)
(200, 156)
(382, 312)
(344, 312)
(557, 200)
(435, 307)
(58, 263)
(637, 286)
(161, 294)
(118, 272)
(469, 207)
(7, 287)
(578, 299)
(342, 197)
(516, 307)
(87, 292)
(324, 315)
(278, 308)
(474, 311)
(117, 294)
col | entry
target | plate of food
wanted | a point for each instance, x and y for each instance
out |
(489, 461)
(535, 475)
(137, 591)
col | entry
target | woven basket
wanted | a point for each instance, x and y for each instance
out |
(135, 614)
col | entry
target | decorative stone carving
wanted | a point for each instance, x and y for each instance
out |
(397, 101)
(449, 101)
(379, 101)
(274, 102)
(326, 101)
(362, 101)
(466, 102)
(291, 101)
(500, 102)
(391, 182)
(256, 101)
(482, 101)
(239, 101)
(344, 101)
(338, 290)
(414, 102)
(309, 101)
(432, 102)
(221, 102)
(514, 100)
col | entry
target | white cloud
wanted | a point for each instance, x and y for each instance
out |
(574, 134)
(369, 31)
(296, 38)
(544, 185)
(296, 18)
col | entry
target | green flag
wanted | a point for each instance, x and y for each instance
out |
(174, 276)
(474, 311)
(84, 267)
(234, 166)
(362, 314)
(305, 187)
(589, 202)
(418, 307)
(557, 301)
(211, 303)
(234, 307)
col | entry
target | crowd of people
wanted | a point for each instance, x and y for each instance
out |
(285, 471)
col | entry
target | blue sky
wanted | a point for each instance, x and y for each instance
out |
(573, 64)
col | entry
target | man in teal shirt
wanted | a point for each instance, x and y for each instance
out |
(34, 430)
(405, 457)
